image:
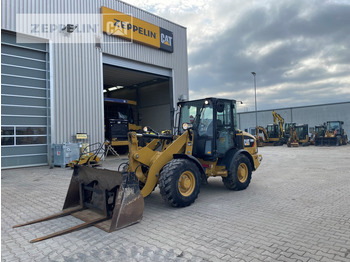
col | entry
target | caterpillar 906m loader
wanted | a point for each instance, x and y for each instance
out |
(207, 144)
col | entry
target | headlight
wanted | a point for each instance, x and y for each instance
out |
(186, 126)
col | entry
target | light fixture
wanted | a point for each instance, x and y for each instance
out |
(115, 88)
(104, 91)
(112, 88)
(186, 126)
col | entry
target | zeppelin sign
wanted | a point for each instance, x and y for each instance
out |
(128, 27)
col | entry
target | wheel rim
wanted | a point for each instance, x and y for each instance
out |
(242, 172)
(187, 183)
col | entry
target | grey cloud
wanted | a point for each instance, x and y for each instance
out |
(305, 30)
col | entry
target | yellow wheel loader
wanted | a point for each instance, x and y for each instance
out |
(334, 135)
(207, 144)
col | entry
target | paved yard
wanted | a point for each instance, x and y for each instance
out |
(297, 208)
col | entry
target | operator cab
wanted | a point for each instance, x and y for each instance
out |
(273, 131)
(287, 127)
(335, 126)
(320, 130)
(213, 122)
(302, 131)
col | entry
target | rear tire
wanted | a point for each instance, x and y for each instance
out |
(179, 182)
(121, 150)
(239, 177)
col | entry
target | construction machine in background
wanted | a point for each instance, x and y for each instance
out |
(319, 131)
(207, 144)
(278, 120)
(299, 135)
(119, 120)
(334, 135)
(287, 130)
(273, 135)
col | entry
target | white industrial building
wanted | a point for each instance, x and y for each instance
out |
(54, 80)
(312, 115)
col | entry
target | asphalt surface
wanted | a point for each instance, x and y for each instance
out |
(297, 208)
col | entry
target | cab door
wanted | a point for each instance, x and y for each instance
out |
(224, 127)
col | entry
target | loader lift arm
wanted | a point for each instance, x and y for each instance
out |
(155, 160)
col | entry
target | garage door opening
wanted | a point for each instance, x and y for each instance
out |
(133, 99)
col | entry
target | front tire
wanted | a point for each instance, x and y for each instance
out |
(179, 182)
(239, 177)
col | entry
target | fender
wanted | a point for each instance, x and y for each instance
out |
(246, 153)
(232, 154)
(193, 159)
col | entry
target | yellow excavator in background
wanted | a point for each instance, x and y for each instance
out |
(319, 131)
(273, 135)
(287, 130)
(299, 135)
(277, 119)
(207, 144)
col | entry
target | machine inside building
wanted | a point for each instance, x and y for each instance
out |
(133, 99)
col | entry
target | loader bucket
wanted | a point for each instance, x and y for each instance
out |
(107, 199)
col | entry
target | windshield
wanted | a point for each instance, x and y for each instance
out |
(287, 127)
(197, 114)
(270, 129)
(332, 126)
(205, 125)
(319, 130)
(301, 131)
(119, 111)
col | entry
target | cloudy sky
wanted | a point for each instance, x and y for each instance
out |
(299, 49)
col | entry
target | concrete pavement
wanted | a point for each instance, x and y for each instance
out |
(297, 208)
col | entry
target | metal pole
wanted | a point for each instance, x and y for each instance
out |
(256, 110)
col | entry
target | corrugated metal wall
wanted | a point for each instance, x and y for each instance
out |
(77, 98)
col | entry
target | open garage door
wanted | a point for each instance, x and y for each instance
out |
(147, 94)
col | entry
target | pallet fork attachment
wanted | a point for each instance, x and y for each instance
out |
(107, 199)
